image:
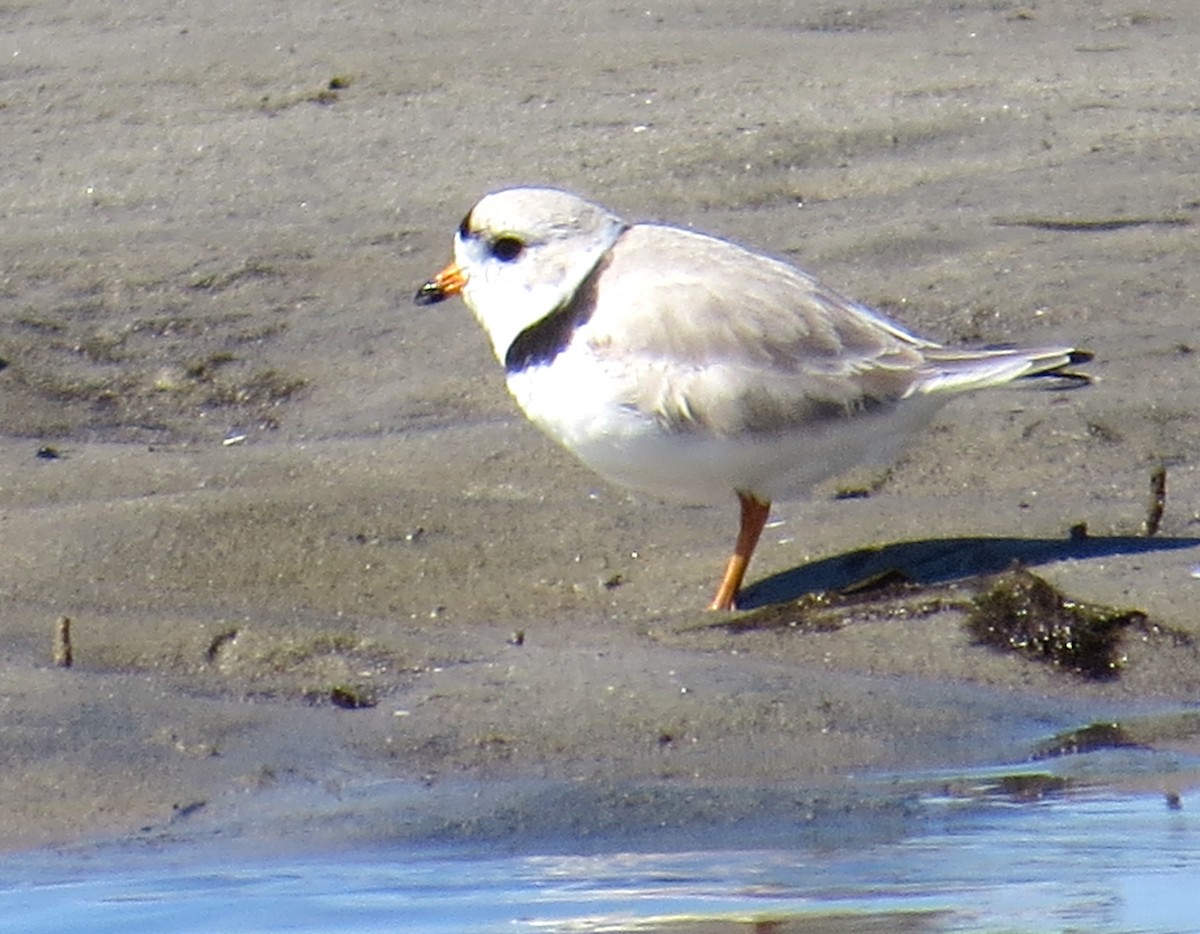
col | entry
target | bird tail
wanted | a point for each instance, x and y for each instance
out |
(950, 370)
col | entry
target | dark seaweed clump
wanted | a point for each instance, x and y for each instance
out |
(1023, 613)
(1085, 739)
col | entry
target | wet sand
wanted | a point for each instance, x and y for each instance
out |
(297, 523)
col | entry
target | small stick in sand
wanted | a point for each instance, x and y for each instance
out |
(62, 642)
(1158, 500)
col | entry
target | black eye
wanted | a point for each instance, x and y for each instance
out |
(506, 249)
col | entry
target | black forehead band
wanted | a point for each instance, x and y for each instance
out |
(464, 229)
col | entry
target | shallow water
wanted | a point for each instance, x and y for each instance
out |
(1088, 861)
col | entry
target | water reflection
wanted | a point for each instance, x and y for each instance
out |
(1087, 861)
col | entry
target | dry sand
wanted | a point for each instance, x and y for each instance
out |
(266, 488)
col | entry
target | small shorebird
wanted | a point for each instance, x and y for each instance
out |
(690, 367)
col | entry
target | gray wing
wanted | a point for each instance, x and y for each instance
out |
(711, 337)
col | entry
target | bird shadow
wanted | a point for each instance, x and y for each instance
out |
(940, 561)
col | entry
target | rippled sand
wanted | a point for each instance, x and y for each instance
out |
(296, 522)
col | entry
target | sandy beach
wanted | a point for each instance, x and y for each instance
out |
(307, 543)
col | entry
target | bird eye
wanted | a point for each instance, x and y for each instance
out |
(506, 249)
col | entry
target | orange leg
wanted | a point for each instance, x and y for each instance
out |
(754, 517)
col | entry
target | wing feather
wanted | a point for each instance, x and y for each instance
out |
(711, 337)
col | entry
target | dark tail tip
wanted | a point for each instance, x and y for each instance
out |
(1064, 378)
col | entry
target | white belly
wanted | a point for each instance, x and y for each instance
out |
(576, 401)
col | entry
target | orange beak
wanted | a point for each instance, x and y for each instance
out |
(449, 281)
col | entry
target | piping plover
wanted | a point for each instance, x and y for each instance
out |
(688, 366)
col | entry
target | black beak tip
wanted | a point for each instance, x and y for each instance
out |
(429, 294)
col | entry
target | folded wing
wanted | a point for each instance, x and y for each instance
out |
(711, 337)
